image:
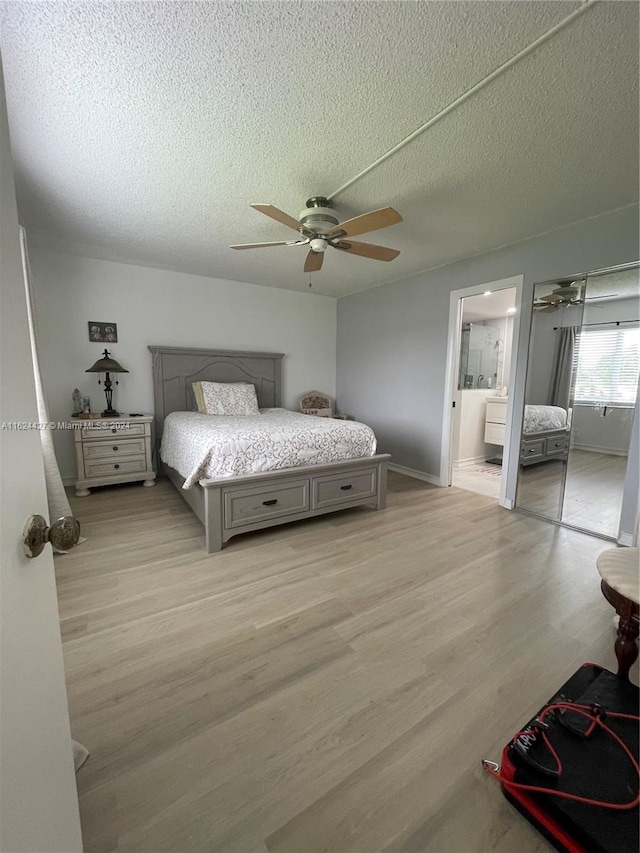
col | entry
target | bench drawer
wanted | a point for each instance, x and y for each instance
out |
(247, 506)
(532, 449)
(341, 488)
(557, 446)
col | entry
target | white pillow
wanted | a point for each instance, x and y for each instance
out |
(229, 398)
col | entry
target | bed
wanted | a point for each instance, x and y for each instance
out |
(545, 434)
(228, 503)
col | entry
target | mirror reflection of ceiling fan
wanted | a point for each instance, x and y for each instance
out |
(320, 228)
(566, 293)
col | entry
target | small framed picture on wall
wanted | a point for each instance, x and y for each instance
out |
(103, 333)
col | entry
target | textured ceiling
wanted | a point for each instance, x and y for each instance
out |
(621, 284)
(142, 131)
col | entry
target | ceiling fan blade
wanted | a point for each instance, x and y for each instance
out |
(549, 309)
(552, 298)
(372, 221)
(366, 250)
(314, 261)
(606, 296)
(277, 214)
(262, 245)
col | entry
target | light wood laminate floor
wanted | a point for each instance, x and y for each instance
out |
(330, 685)
(593, 493)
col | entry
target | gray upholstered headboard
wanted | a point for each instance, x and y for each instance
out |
(175, 368)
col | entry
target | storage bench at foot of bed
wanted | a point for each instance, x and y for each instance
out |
(255, 501)
(538, 447)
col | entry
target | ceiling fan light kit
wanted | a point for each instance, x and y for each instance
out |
(320, 228)
(565, 293)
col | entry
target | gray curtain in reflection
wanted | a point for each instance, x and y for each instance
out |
(560, 387)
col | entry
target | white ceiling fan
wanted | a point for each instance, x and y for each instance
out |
(320, 228)
(567, 292)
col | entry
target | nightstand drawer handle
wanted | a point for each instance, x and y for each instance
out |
(270, 503)
(114, 431)
(346, 488)
(532, 449)
(115, 447)
(116, 466)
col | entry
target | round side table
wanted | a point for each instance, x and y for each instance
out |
(619, 569)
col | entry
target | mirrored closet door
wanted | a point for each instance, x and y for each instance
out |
(580, 399)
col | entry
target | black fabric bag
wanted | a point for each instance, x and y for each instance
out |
(595, 767)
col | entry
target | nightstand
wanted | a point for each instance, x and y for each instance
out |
(113, 450)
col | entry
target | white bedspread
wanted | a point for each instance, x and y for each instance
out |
(212, 447)
(541, 418)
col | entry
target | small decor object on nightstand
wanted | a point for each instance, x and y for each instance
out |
(77, 402)
(107, 365)
(103, 333)
(316, 403)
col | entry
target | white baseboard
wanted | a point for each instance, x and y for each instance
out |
(68, 481)
(627, 539)
(417, 475)
(472, 460)
(591, 448)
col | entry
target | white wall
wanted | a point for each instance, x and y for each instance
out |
(592, 429)
(392, 340)
(152, 306)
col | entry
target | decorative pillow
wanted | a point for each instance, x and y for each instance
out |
(198, 396)
(316, 403)
(229, 398)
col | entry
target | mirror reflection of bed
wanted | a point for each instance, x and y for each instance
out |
(583, 365)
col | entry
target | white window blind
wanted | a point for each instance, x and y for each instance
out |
(606, 363)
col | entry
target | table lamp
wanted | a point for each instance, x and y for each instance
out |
(107, 365)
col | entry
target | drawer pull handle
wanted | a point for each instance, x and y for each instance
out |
(116, 466)
(115, 447)
(270, 503)
(532, 450)
(114, 431)
(346, 488)
(558, 444)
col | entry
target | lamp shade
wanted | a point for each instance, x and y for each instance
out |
(106, 364)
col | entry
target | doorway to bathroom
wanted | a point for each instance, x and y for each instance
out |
(483, 358)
